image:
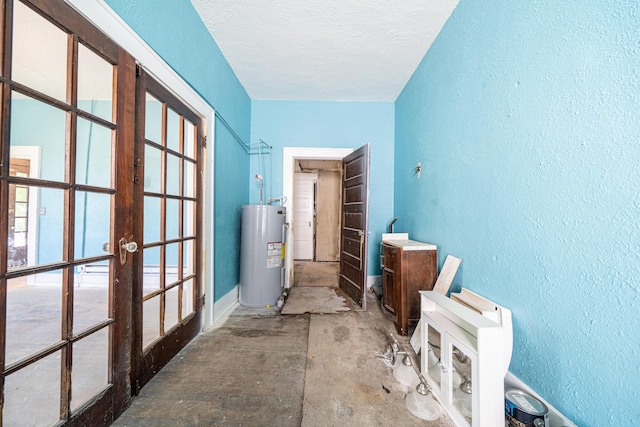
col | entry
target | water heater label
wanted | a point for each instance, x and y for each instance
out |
(274, 254)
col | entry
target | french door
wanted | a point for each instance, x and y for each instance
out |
(100, 280)
(64, 292)
(168, 294)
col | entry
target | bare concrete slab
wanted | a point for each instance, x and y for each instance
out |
(319, 274)
(250, 372)
(345, 383)
(314, 300)
(263, 369)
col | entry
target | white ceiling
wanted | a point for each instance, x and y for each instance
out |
(324, 50)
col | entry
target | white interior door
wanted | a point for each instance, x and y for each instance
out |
(303, 216)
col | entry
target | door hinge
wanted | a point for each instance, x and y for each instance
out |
(204, 141)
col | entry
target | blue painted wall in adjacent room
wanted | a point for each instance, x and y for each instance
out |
(329, 125)
(175, 31)
(526, 118)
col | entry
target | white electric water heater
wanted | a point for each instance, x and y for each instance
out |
(262, 247)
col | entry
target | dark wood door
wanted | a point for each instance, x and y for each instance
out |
(353, 236)
(167, 288)
(66, 127)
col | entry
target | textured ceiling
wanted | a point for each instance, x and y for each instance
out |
(331, 50)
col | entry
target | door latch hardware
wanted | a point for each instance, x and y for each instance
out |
(361, 234)
(126, 247)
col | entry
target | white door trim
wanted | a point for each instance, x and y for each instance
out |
(289, 154)
(103, 17)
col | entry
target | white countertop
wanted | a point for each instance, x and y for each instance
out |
(401, 240)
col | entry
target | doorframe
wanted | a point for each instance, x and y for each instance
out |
(110, 23)
(289, 155)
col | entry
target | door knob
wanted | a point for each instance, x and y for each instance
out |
(126, 247)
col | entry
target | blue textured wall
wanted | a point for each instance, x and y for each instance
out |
(175, 31)
(526, 117)
(330, 125)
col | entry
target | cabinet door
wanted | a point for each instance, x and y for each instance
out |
(388, 294)
(389, 256)
(389, 267)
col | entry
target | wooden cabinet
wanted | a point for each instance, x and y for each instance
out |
(407, 267)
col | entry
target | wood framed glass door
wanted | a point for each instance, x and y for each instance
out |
(167, 291)
(68, 100)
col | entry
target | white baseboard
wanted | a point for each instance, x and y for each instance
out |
(556, 419)
(224, 306)
(371, 280)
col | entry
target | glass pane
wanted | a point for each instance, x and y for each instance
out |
(151, 219)
(19, 244)
(21, 209)
(189, 179)
(20, 163)
(189, 139)
(187, 298)
(34, 314)
(189, 219)
(95, 84)
(171, 263)
(462, 395)
(153, 119)
(20, 225)
(92, 223)
(93, 154)
(150, 321)
(434, 364)
(173, 130)
(34, 390)
(173, 175)
(22, 193)
(90, 295)
(171, 310)
(152, 169)
(39, 53)
(36, 239)
(173, 217)
(36, 124)
(188, 257)
(90, 368)
(151, 269)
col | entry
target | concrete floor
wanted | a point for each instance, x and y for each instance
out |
(262, 368)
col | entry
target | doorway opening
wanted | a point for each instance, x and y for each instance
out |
(297, 160)
(316, 217)
(353, 213)
(317, 200)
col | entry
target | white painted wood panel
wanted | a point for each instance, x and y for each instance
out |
(303, 215)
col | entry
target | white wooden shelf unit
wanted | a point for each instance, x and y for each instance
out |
(482, 340)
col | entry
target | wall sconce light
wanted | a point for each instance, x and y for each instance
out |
(418, 170)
